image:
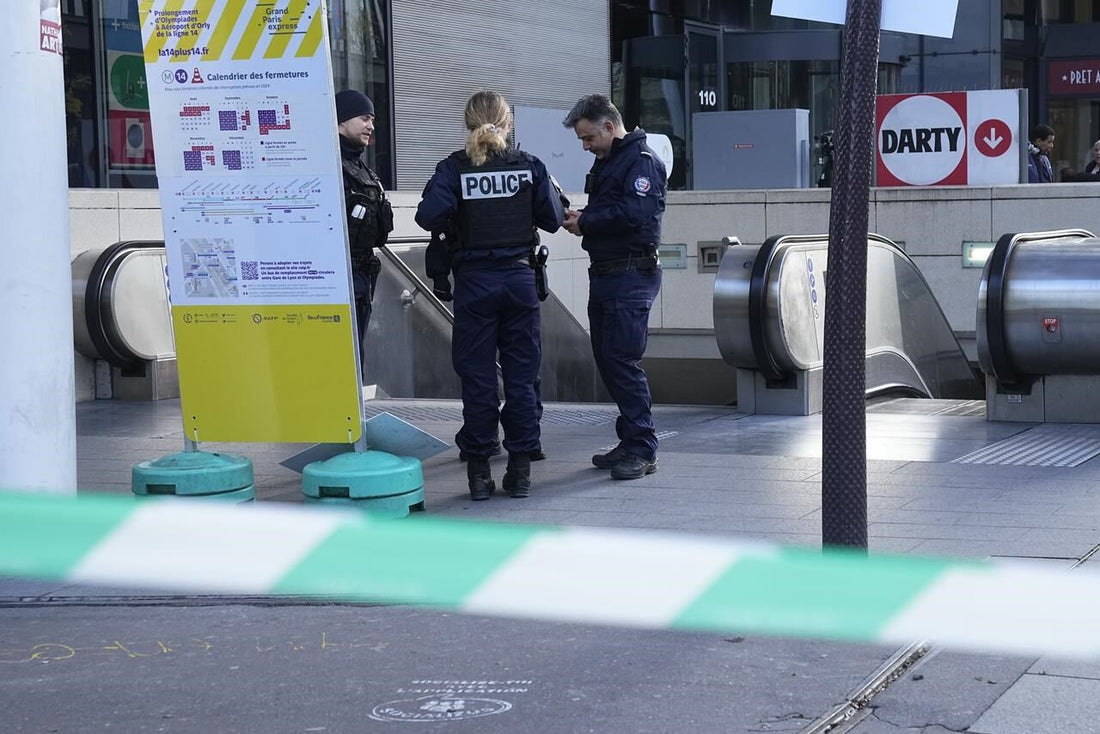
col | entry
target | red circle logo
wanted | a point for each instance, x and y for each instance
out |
(993, 138)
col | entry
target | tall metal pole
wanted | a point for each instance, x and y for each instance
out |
(844, 427)
(37, 402)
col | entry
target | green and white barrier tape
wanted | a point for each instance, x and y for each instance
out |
(636, 579)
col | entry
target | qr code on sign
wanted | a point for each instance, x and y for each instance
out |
(250, 270)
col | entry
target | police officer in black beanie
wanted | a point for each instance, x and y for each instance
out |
(370, 217)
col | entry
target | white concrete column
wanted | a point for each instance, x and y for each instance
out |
(37, 401)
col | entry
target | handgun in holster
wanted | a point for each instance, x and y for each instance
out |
(538, 264)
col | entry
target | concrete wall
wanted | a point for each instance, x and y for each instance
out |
(930, 223)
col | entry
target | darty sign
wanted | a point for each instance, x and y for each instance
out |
(953, 138)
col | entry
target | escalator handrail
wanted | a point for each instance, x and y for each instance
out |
(995, 296)
(758, 307)
(411, 275)
(101, 328)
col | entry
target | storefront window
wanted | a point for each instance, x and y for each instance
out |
(130, 160)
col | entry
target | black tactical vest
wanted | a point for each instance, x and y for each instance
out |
(370, 217)
(496, 205)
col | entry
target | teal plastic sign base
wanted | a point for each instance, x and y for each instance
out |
(375, 481)
(195, 474)
(399, 505)
(247, 494)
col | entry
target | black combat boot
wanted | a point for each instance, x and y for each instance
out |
(517, 478)
(480, 476)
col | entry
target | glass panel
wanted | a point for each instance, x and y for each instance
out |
(1013, 73)
(703, 93)
(81, 120)
(824, 97)
(703, 72)
(653, 94)
(1013, 24)
(1070, 11)
(1075, 123)
(130, 160)
(360, 60)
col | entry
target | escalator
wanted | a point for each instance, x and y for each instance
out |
(769, 318)
(409, 337)
(122, 316)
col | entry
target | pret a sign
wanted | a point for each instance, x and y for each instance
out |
(954, 138)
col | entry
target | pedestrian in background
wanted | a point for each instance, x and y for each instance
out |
(1092, 167)
(621, 228)
(491, 197)
(369, 215)
(1040, 146)
(1091, 172)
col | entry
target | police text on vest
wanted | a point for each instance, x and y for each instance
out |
(493, 184)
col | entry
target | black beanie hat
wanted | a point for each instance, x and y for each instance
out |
(352, 103)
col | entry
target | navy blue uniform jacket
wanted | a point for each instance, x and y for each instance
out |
(438, 212)
(626, 199)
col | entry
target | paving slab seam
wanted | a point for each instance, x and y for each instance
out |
(846, 716)
(856, 707)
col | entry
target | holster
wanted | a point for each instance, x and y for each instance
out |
(538, 264)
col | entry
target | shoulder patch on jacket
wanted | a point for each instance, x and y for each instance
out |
(642, 185)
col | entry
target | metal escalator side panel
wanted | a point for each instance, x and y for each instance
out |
(998, 306)
(1051, 307)
(769, 305)
(731, 305)
(989, 322)
(82, 266)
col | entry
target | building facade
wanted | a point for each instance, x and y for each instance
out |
(662, 61)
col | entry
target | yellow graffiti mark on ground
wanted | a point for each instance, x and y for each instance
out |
(56, 651)
(163, 650)
(43, 652)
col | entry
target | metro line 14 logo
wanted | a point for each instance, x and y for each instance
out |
(921, 140)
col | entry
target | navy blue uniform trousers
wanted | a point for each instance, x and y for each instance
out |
(497, 310)
(363, 285)
(618, 315)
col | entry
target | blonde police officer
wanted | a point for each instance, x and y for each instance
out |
(491, 198)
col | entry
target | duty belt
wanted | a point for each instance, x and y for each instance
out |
(633, 262)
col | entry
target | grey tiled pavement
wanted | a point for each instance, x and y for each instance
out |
(721, 472)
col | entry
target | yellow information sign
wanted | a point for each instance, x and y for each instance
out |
(241, 99)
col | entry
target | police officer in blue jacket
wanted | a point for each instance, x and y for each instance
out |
(621, 228)
(488, 199)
